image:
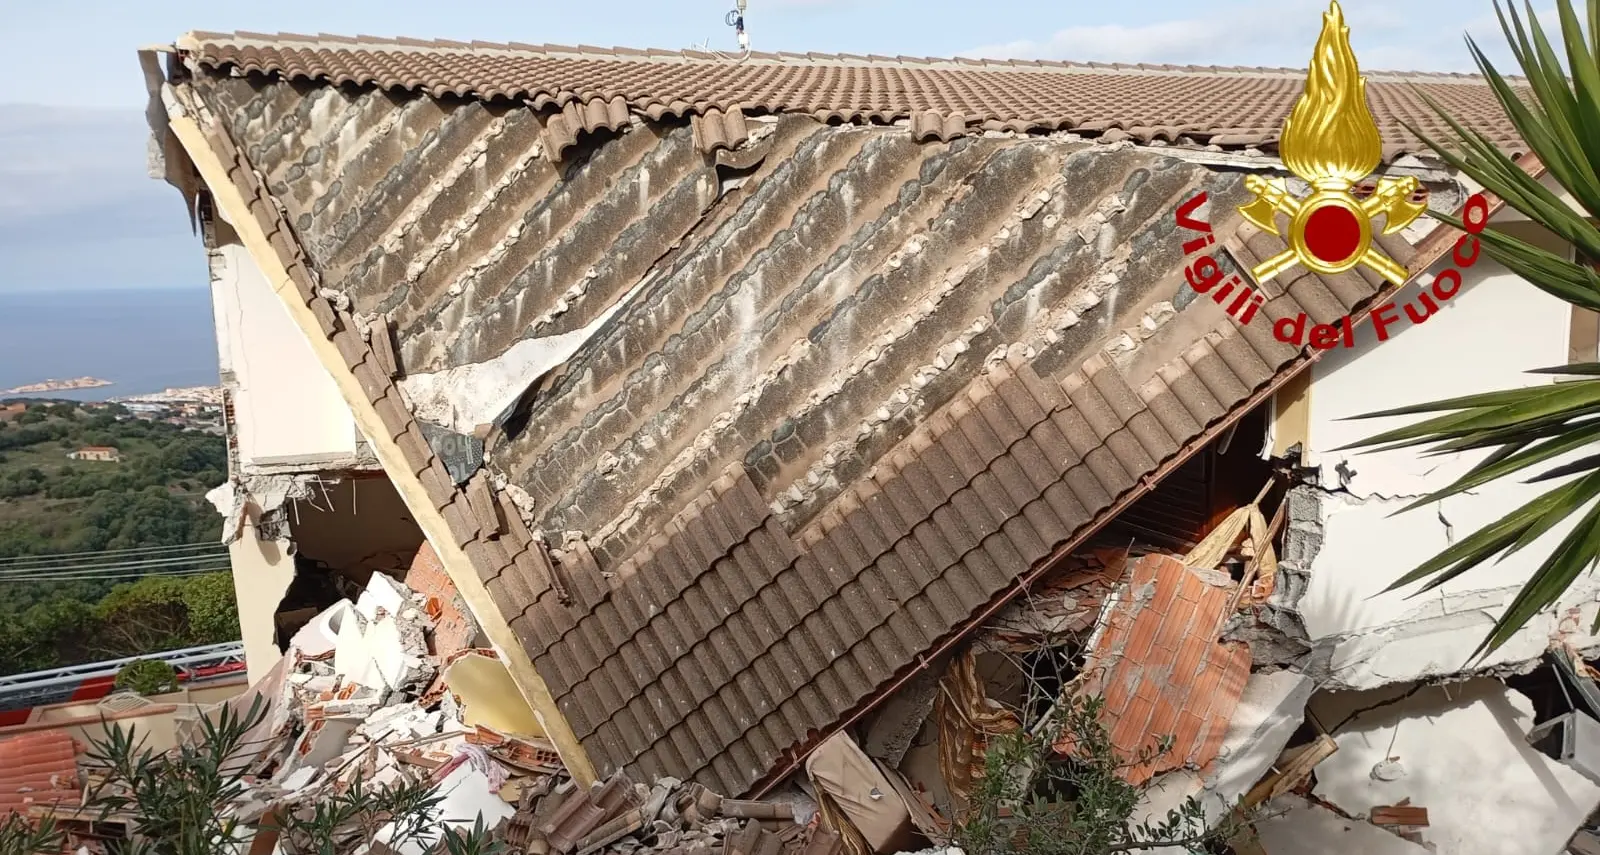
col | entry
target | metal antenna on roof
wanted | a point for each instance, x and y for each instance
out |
(735, 19)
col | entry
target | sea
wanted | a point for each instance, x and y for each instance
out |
(143, 341)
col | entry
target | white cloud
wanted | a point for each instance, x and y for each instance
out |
(1418, 36)
(1228, 35)
(78, 209)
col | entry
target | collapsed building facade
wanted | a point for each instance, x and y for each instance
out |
(747, 404)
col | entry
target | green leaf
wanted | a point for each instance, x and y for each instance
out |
(1585, 369)
(1476, 548)
(1575, 553)
(1511, 458)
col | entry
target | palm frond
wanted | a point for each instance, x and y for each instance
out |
(1538, 433)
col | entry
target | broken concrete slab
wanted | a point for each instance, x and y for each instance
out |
(1462, 753)
(255, 496)
(320, 636)
(382, 593)
(1298, 827)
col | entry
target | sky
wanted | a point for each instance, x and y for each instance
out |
(78, 212)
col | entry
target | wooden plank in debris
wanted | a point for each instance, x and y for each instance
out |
(1392, 815)
(1292, 769)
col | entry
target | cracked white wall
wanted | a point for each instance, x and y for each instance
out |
(286, 408)
(1485, 338)
(1461, 752)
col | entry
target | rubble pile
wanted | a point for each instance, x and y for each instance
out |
(370, 696)
(670, 817)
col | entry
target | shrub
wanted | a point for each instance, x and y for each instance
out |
(147, 677)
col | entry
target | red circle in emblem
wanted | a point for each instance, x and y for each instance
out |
(1333, 233)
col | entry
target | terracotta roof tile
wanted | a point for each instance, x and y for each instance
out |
(39, 768)
(1161, 670)
(941, 98)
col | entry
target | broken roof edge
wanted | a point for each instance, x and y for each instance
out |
(1429, 250)
(195, 41)
(418, 476)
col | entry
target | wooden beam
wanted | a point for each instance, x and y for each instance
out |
(457, 564)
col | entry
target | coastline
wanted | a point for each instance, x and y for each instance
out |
(47, 386)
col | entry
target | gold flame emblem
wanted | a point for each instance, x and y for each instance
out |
(1331, 141)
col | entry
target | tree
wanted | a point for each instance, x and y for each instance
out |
(1541, 431)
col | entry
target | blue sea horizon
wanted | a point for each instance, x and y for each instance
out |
(142, 340)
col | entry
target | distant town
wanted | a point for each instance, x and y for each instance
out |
(193, 407)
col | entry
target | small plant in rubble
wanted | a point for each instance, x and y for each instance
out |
(179, 802)
(176, 800)
(19, 836)
(1029, 801)
(343, 821)
(477, 840)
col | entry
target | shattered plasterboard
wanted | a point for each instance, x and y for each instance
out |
(489, 696)
(462, 398)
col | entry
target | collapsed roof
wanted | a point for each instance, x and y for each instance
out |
(806, 399)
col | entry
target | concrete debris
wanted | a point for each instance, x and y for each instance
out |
(361, 697)
(1299, 827)
(1467, 760)
(319, 638)
(258, 495)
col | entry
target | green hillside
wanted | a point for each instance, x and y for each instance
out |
(153, 496)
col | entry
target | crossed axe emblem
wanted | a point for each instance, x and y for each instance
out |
(1331, 222)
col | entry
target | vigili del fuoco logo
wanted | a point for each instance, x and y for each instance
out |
(1330, 140)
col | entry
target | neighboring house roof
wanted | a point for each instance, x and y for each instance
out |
(835, 393)
(98, 449)
(1224, 106)
(38, 769)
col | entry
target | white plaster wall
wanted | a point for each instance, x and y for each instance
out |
(1485, 338)
(262, 571)
(286, 407)
(1465, 758)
